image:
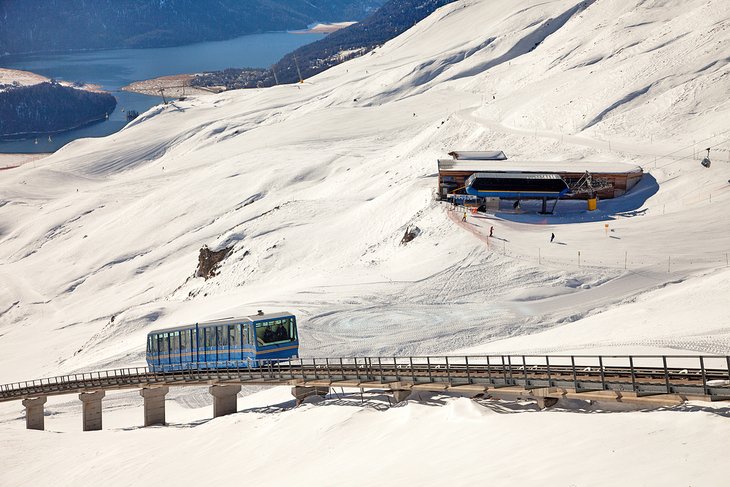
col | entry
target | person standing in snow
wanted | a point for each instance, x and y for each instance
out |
(463, 218)
(552, 237)
(491, 231)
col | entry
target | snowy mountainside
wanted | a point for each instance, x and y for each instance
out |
(314, 186)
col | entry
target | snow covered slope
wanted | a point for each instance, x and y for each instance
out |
(314, 186)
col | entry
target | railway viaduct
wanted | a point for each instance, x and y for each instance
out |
(642, 380)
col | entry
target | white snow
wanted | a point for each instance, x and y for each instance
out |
(315, 185)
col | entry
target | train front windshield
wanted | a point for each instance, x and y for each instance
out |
(280, 330)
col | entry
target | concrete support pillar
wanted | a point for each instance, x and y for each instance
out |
(34, 419)
(400, 395)
(154, 405)
(224, 399)
(546, 402)
(91, 407)
(300, 393)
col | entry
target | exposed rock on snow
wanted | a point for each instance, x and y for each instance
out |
(209, 261)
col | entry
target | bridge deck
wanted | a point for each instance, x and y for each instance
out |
(638, 375)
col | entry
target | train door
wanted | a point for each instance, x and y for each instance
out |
(210, 341)
(196, 345)
(236, 343)
(153, 354)
(184, 347)
(175, 349)
(230, 331)
(246, 351)
(195, 357)
(164, 342)
(221, 345)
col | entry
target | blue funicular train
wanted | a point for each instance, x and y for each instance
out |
(249, 341)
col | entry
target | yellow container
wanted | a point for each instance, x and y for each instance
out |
(592, 204)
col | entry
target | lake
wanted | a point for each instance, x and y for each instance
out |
(113, 69)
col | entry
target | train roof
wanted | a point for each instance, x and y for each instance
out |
(227, 321)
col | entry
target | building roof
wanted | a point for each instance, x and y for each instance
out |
(512, 165)
(486, 155)
(515, 175)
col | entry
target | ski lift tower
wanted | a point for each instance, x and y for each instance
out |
(589, 185)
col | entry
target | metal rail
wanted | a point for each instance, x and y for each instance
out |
(700, 376)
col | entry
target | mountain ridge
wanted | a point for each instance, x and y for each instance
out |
(34, 26)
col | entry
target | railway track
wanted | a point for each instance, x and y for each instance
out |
(705, 377)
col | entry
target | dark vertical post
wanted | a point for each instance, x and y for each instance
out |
(448, 370)
(395, 366)
(603, 373)
(380, 366)
(704, 376)
(550, 377)
(342, 370)
(489, 371)
(633, 374)
(666, 374)
(413, 371)
(504, 370)
(575, 378)
(428, 364)
(468, 376)
(314, 366)
(329, 374)
(509, 364)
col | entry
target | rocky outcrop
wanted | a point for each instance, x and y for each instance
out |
(209, 261)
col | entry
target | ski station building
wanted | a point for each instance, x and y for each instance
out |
(490, 174)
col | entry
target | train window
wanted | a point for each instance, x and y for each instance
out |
(161, 347)
(222, 336)
(292, 328)
(274, 331)
(238, 335)
(210, 337)
(175, 341)
(184, 339)
(194, 340)
(232, 335)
